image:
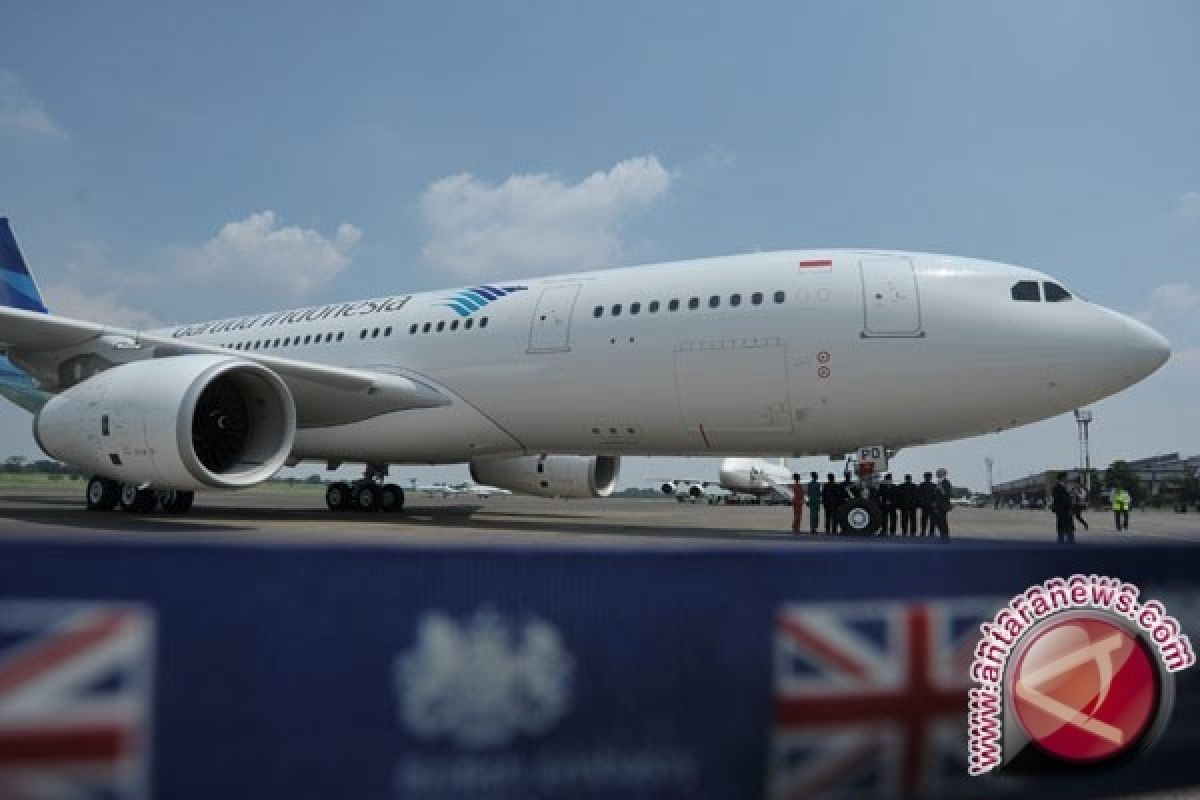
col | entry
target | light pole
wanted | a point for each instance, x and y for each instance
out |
(989, 462)
(1083, 418)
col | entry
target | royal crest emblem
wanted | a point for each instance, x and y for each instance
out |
(481, 682)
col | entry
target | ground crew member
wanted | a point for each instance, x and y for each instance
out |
(797, 502)
(1061, 503)
(813, 495)
(927, 501)
(887, 502)
(906, 500)
(831, 495)
(1121, 501)
(942, 515)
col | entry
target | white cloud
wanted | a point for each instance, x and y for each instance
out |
(257, 253)
(67, 300)
(21, 112)
(1173, 299)
(533, 224)
(1187, 207)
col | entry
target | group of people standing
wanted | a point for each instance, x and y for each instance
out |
(900, 503)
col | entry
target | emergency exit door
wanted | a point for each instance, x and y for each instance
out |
(550, 329)
(891, 301)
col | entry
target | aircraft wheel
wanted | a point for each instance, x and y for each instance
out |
(178, 502)
(337, 496)
(102, 494)
(134, 500)
(391, 497)
(860, 517)
(366, 497)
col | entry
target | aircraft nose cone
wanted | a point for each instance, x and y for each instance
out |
(1145, 348)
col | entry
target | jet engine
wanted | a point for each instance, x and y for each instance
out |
(184, 422)
(550, 476)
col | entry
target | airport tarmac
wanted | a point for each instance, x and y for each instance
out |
(299, 516)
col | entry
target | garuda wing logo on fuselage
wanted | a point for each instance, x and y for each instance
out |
(468, 301)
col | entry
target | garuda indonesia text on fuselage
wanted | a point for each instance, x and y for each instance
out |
(541, 384)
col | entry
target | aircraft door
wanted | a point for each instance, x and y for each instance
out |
(550, 329)
(891, 301)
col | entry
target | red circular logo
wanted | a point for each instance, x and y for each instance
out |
(1085, 689)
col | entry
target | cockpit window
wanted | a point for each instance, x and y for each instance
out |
(1055, 293)
(1027, 291)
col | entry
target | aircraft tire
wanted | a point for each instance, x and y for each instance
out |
(178, 502)
(391, 498)
(134, 500)
(860, 517)
(337, 496)
(102, 494)
(366, 497)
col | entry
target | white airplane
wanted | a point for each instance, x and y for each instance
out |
(482, 491)
(543, 384)
(752, 476)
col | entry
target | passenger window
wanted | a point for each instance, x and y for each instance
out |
(425, 329)
(453, 324)
(780, 296)
(616, 310)
(756, 298)
(1026, 291)
(635, 308)
(598, 311)
(308, 339)
(483, 322)
(375, 333)
(1055, 293)
(412, 329)
(694, 303)
(341, 335)
(362, 334)
(276, 343)
(387, 331)
(653, 307)
(441, 326)
(673, 305)
(714, 301)
(470, 321)
(735, 300)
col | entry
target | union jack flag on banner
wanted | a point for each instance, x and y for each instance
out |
(870, 700)
(75, 700)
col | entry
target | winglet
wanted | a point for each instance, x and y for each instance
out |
(17, 287)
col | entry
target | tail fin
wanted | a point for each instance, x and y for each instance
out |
(17, 287)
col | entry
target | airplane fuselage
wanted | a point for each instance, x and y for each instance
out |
(806, 352)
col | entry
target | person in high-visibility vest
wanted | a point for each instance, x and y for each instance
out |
(1120, 506)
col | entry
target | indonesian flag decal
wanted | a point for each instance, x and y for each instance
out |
(816, 265)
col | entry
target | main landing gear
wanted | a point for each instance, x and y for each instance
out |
(105, 495)
(368, 493)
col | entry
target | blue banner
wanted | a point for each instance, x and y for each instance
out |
(201, 671)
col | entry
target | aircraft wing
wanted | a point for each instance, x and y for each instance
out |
(324, 395)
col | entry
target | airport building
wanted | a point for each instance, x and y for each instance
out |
(1164, 479)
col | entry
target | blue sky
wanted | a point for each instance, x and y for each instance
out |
(171, 162)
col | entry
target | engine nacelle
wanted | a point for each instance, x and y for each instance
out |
(550, 476)
(184, 422)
